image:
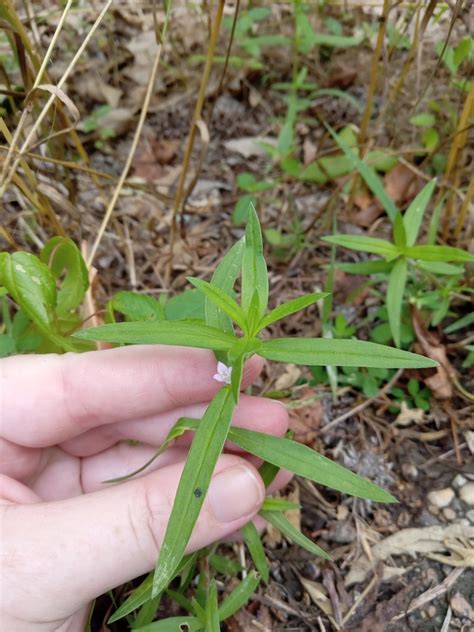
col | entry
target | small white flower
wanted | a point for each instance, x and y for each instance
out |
(223, 374)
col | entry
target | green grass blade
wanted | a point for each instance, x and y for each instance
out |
(364, 244)
(440, 267)
(321, 352)
(278, 504)
(303, 461)
(172, 624)
(222, 301)
(438, 253)
(281, 522)
(212, 609)
(368, 174)
(366, 267)
(395, 289)
(224, 278)
(192, 489)
(180, 333)
(257, 552)
(414, 214)
(290, 307)
(399, 232)
(254, 268)
(239, 596)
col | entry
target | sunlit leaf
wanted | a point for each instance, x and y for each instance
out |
(193, 485)
(254, 268)
(438, 253)
(281, 522)
(290, 307)
(181, 333)
(364, 244)
(366, 267)
(212, 611)
(321, 352)
(137, 307)
(221, 300)
(254, 544)
(395, 290)
(414, 214)
(239, 596)
(301, 460)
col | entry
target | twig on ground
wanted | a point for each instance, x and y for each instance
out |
(363, 405)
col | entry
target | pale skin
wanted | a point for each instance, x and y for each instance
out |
(65, 422)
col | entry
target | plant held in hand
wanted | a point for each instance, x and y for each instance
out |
(232, 348)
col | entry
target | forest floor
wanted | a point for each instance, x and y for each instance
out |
(401, 567)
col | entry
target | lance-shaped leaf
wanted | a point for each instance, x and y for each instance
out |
(281, 522)
(399, 233)
(323, 352)
(395, 289)
(366, 267)
(177, 333)
(272, 503)
(254, 544)
(440, 267)
(290, 307)
(193, 485)
(364, 244)
(224, 278)
(142, 594)
(438, 253)
(254, 268)
(212, 609)
(303, 461)
(239, 596)
(222, 301)
(414, 213)
(172, 624)
(136, 307)
(368, 173)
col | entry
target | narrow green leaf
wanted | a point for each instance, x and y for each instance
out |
(183, 601)
(180, 427)
(137, 307)
(465, 321)
(239, 596)
(185, 306)
(366, 267)
(268, 472)
(61, 254)
(222, 300)
(364, 244)
(173, 624)
(272, 503)
(212, 610)
(281, 522)
(440, 267)
(438, 253)
(414, 214)
(237, 354)
(254, 544)
(321, 352)
(147, 612)
(303, 461)
(142, 594)
(395, 290)
(180, 333)
(254, 268)
(290, 307)
(224, 278)
(193, 485)
(368, 174)
(399, 233)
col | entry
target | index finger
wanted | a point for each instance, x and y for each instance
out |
(47, 399)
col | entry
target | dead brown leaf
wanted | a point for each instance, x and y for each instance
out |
(440, 383)
(401, 184)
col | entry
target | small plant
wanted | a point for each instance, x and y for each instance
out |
(400, 259)
(232, 348)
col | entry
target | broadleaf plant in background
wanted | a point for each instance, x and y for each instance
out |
(233, 332)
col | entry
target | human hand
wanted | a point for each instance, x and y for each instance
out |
(65, 422)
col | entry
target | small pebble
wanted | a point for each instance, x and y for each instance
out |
(470, 515)
(441, 497)
(459, 481)
(466, 494)
(449, 514)
(409, 471)
(431, 611)
(461, 606)
(464, 522)
(433, 510)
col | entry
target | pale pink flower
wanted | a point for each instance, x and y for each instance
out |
(223, 374)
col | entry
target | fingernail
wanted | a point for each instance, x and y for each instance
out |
(235, 493)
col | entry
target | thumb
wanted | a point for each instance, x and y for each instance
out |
(77, 549)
